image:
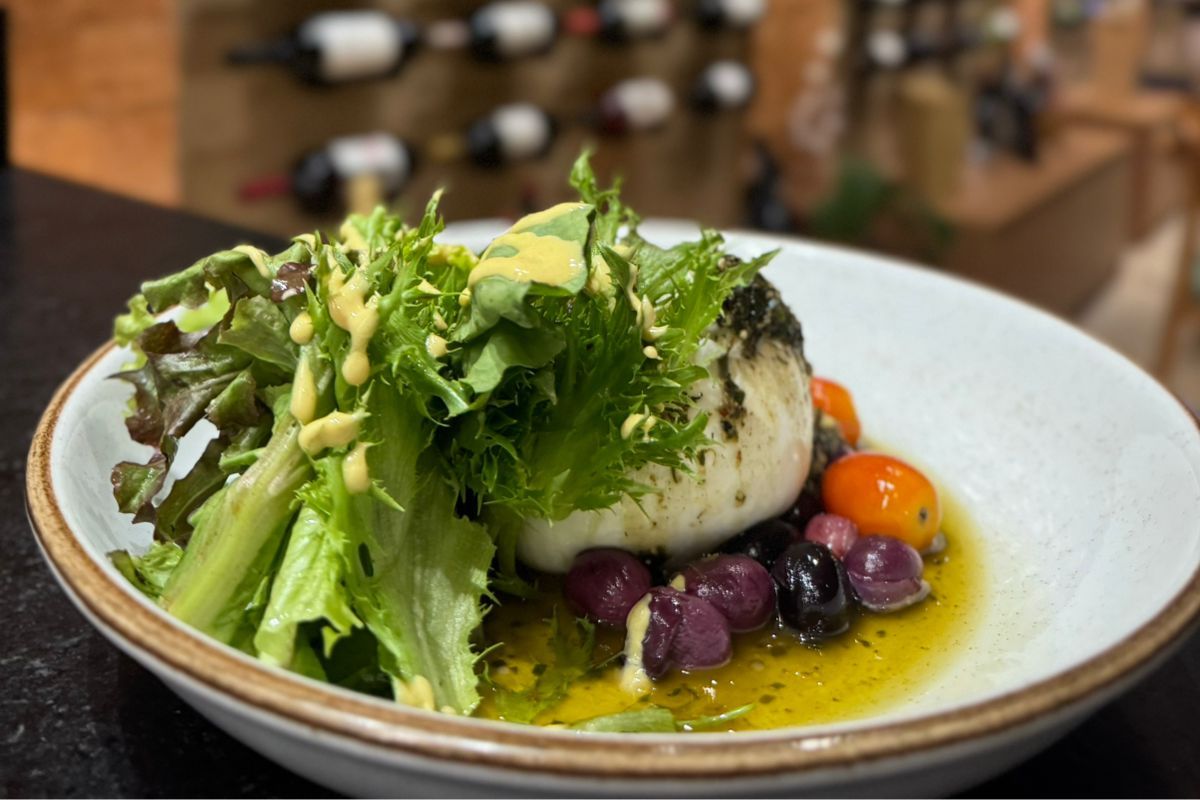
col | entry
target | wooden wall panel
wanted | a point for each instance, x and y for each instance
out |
(94, 87)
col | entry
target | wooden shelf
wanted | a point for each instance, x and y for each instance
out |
(1145, 109)
(1004, 190)
(1050, 232)
(1149, 122)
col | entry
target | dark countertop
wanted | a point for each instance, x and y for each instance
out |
(78, 718)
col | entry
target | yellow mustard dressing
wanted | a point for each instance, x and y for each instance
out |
(634, 680)
(436, 346)
(545, 259)
(350, 235)
(539, 259)
(257, 257)
(871, 668)
(301, 329)
(352, 312)
(418, 692)
(355, 472)
(545, 216)
(304, 392)
(336, 429)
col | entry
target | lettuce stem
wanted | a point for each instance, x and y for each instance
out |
(235, 542)
(239, 531)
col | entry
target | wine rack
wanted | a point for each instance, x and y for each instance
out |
(238, 124)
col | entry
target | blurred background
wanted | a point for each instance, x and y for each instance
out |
(1049, 148)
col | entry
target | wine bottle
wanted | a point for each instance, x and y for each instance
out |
(321, 178)
(512, 29)
(723, 85)
(625, 20)
(922, 45)
(765, 205)
(338, 47)
(738, 14)
(510, 133)
(1006, 116)
(635, 104)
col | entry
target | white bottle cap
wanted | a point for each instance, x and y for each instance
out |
(731, 83)
(522, 27)
(743, 13)
(644, 102)
(887, 48)
(643, 17)
(522, 129)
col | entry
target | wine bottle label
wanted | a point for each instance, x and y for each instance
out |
(742, 13)
(643, 102)
(371, 154)
(730, 82)
(640, 17)
(353, 44)
(519, 27)
(523, 130)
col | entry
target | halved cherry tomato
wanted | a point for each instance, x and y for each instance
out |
(883, 495)
(835, 400)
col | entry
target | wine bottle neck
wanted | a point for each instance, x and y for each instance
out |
(280, 51)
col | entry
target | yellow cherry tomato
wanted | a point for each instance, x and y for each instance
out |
(883, 495)
(835, 400)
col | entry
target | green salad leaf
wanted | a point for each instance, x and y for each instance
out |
(149, 572)
(387, 410)
(308, 587)
(419, 571)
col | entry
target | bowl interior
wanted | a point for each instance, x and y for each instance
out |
(1077, 471)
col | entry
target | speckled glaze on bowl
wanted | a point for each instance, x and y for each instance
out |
(1078, 470)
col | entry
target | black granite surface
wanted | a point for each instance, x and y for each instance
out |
(79, 719)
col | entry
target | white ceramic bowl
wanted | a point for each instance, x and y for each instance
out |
(1078, 470)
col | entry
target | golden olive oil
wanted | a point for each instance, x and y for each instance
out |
(877, 663)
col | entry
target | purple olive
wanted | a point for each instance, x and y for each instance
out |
(835, 532)
(685, 632)
(737, 585)
(763, 542)
(814, 593)
(603, 584)
(886, 573)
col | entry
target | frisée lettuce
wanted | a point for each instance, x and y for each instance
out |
(387, 409)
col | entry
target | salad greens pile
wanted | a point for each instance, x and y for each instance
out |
(384, 420)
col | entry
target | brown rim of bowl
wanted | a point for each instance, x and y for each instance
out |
(532, 749)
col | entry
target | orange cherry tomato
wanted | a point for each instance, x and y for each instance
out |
(835, 400)
(883, 495)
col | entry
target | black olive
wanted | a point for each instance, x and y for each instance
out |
(764, 542)
(813, 591)
(808, 504)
